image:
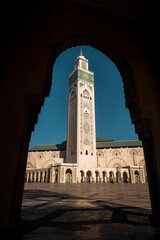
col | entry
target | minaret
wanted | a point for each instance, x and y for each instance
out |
(81, 136)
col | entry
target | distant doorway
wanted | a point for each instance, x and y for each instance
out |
(97, 176)
(118, 177)
(137, 177)
(82, 176)
(125, 177)
(89, 175)
(56, 175)
(68, 175)
(104, 176)
(111, 177)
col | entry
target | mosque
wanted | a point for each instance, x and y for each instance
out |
(83, 157)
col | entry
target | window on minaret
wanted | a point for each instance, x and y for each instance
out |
(83, 65)
(86, 152)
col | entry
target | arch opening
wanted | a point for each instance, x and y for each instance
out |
(89, 176)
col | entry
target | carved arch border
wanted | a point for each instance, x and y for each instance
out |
(29, 164)
(51, 161)
(108, 165)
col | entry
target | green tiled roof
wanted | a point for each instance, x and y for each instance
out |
(104, 139)
(115, 144)
(100, 143)
(48, 147)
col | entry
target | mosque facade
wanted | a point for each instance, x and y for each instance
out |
(83, 157)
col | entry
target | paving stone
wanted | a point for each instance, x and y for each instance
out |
(87, 211)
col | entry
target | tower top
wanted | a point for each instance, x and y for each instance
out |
(81, 62)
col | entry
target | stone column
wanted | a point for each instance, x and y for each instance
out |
(27, 176)
(74, 175)
(132, 176)
(51, 174)
(62, 175)
(142, 176)
(47, 175)
(143, 127)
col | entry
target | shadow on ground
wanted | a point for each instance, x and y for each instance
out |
(52, 215)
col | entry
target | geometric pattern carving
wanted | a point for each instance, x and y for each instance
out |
(86, 142)
(86, 127)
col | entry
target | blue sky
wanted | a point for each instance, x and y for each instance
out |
(112, 117)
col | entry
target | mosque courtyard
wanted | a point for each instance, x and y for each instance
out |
(87, 211)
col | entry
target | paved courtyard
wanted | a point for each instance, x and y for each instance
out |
(87, 211)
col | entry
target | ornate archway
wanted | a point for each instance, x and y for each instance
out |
(68, 175)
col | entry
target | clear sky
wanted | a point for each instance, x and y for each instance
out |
(112, 117)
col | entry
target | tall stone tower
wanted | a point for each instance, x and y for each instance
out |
(81, 136)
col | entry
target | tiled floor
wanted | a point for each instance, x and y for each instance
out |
(87, 211)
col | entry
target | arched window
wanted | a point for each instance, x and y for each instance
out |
(86, 152)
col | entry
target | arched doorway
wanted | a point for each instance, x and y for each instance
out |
(104, 175)
(111, 177)
(82, 176)
(29, 178)
(137, 177)
(97, 176)
(88, 176)
(68, 175)
(42, 178)
(45, 176)
(33, 176)
(56, 176)
(118, 176)
(125, 177)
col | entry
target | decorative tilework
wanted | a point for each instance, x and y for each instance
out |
(85, 91)
(81, 84)
(86, 76)
(90, 87)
